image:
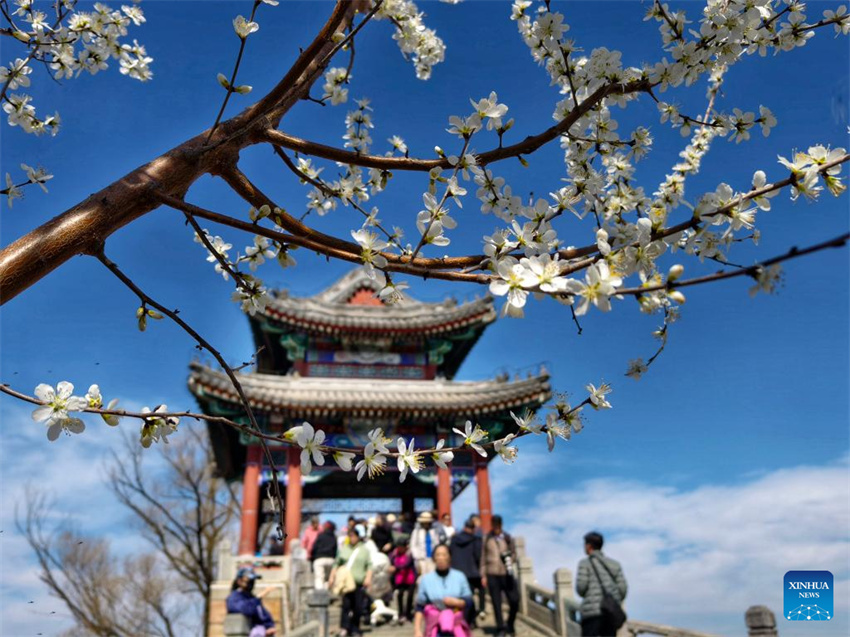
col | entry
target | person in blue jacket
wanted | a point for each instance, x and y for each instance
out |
(243, 601)
(443, 595)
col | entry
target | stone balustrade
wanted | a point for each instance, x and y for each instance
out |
(553, 612)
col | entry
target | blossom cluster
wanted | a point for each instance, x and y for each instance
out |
(35, 176)
(68, 43)
(415, 40)
(58, 404)
(561, 423)
(250, 292)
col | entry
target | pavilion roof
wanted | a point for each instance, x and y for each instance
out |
(331, 311)
(321, 396)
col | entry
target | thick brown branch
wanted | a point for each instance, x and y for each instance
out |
(82, 228)
(525, 147)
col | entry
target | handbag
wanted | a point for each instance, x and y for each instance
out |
(344, 580)
(612, 613)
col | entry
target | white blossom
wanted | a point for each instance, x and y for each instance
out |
(442, 458)
(597, 395)
(408, 459)
(373, 463)
(507, 453)
(310, 441)
(472, 435)
(157, 428)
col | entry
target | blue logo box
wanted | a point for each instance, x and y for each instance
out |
(808, 596)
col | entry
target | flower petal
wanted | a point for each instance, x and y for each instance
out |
(64, 389)
(45, 393)
(42, 414)
(53, 431)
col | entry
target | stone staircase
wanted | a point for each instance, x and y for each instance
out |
(543, 612)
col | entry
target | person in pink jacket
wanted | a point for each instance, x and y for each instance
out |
(404, 579)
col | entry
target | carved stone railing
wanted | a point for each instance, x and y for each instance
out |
(633, 628)
(550, 612)
(553, 612)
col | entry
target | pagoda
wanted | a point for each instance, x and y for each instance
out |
(346, 362)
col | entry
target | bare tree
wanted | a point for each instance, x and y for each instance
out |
(183, 510)
(185, 514)
(106, 596)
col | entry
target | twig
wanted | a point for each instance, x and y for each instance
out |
(202, 342)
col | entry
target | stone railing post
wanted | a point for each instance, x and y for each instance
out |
(761, 622)
(519, 545)
(565, 602)
(225, 562)
(525, 571)
(318, 602)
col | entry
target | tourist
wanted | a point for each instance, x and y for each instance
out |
(448, 529)
(443, 595)
(404, 579)
(465, 548)
(308, 537)
(343, 536)
(394, 524)
(476, 525)
(498, 575)
(407, 523)
(351, 573)
(243, 601)
(323, 555)
(382, 534)
(423, 541)
(275, 546)
(598, 574)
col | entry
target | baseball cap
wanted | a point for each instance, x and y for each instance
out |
(247, 571)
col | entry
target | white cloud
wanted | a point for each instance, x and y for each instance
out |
(70, 471)
(695, 558)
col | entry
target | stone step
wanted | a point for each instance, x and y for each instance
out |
(486, 626)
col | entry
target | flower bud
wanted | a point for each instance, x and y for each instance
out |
(676, 296)
(675, 272)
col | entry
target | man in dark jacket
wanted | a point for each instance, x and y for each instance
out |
(323, 555)
(382, 534)
(598, 574)
(465, 548)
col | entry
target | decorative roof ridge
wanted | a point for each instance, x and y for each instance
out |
(407, 308)
(339, 292)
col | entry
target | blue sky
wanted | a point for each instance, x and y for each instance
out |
(750, 395)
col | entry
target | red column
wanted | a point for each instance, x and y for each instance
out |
(250, 500)
(444, 492)
(293, 496)
(482, 479)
